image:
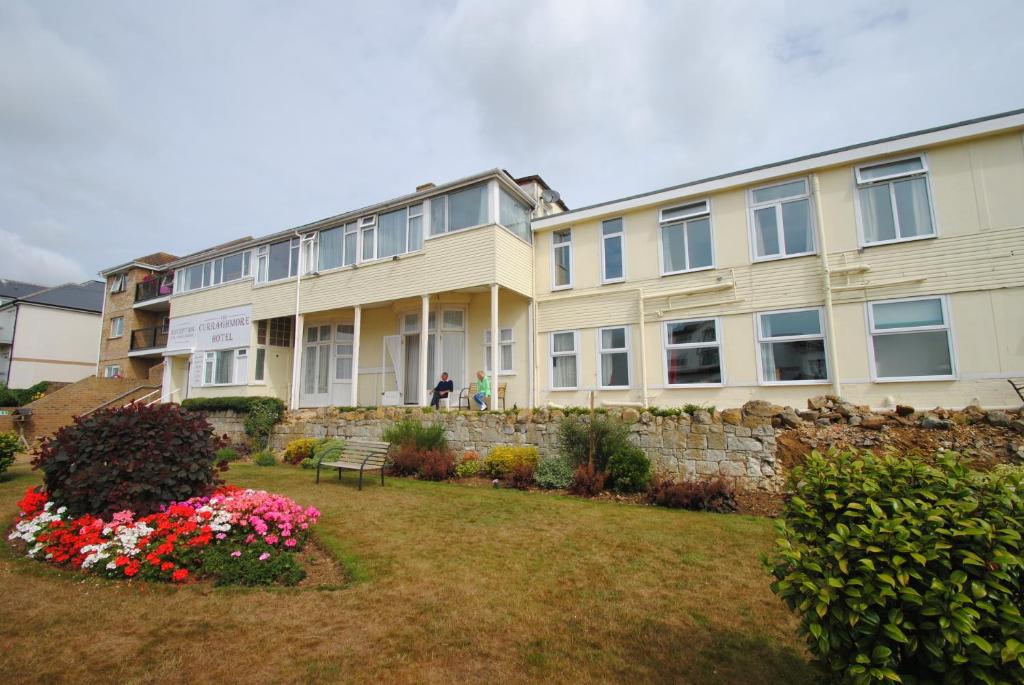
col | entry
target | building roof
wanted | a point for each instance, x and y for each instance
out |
(156, 261)
(16, 289)
(85, 297)
(986, 125)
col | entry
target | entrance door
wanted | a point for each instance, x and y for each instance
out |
(316, 367)
(410, 394)
(341, 384)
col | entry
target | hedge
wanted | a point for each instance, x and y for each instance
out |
(241, 405)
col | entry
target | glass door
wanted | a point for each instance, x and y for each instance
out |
(316, 367)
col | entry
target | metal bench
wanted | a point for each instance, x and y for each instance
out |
(1018, 386)
(359, 456)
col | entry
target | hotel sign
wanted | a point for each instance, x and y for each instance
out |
(217, 330)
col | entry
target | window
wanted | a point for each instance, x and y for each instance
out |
(612, 251)
(117, 283)
(453, 319)
(693, 352)
(686, 238)
(261, 363)
(613, 352)
(276, 332)
(561, 259)
(505, 353)
(112, 371)
(225, 367)
(894, 201)
(309, 246)
(351, 244)
(117, 327)
(278, 260)
(911, 339)
(331, 246)
(344, 336)
(563, 360)
(792, 346)
(514, 215)
(781, 220)
(368, 228)
(233, 267)
(467, 207)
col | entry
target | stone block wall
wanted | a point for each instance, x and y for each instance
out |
(736, 444)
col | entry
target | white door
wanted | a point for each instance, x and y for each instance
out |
(316, 367)
(341, 369)
(391, 394)
(410, 395)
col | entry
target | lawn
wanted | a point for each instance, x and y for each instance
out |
(448, 583)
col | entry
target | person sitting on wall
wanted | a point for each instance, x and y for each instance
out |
(442, 389)
(483, 389)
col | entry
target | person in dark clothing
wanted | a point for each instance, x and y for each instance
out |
(442, 389)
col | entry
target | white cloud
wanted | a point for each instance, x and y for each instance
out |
(21, 261)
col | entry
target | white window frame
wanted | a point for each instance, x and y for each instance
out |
(510, 343)
(758, 339)
(260, 369)
(309, 254)
(239, 361)
(685, 220)
(666, 347)
(336, 353)
(621, 235)
(888, 180)
(572, 259)
(552, 354)
(753, 206)
(212, 267)
(111, 370)
(947, 326)
(601, 351)
(119, 320)
(118, 283)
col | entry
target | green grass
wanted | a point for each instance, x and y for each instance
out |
(448, 583)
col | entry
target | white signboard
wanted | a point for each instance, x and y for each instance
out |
(218, 330)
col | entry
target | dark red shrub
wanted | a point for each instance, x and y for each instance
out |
(405, 461)
(436, 465)
(136, 458)
(520, 475)
(587, 481)
(696, 495)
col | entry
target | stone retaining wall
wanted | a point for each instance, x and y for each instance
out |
(738, 445)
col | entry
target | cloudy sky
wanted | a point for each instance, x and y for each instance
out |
(130, 127)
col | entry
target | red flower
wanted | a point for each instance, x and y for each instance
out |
(32, 502)
(179, 575)
(121, 561)
(132, 568)
(166, 566)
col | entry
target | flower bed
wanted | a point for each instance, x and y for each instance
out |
(232, 536)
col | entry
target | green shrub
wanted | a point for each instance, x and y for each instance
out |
(576, 436)
(308, 463)
(469, 465)
(18, 398)
(9, 445)
(692, 409)
(629, 469)
(905, 571)
(501, 461)
(136, 457)
(422, 437)
(262, 413)
(328, 450)
(696, 495)
(227, 454)
(280, 567)
(300, 449)
(264, 458)
(553, 472)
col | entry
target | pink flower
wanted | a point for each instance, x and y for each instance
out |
(271, 539)
(264, 556)
(291, 542)
(221, 536)
(236, 553)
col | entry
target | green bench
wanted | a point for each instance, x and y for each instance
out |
(359, 456)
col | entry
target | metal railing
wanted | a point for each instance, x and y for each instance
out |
(148, 338)
(154, 288)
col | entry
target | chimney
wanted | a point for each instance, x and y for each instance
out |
(425, 186)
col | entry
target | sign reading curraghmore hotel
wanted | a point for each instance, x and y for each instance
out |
(217, 330)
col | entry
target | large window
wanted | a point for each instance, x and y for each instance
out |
(693, 352)
(792, 346)
(894, 201)
(686, 238)
(459, 209)
(564, 367)
(561, 259)
(225, 367)
(226, 269)
(514, 215)
(505, 352)
(613, 356)
(910, 339)
(117, 327)
(398, 232)
(277, 261)
(344, 336)
(781, 220)
(613, 248)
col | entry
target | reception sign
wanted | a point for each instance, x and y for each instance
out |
(222, 329)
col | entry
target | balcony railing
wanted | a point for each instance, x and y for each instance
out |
(148, 338)
(154, 288)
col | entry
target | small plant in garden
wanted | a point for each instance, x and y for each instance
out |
(9, 445)
(328, 450)
(692, 409)
(436, 465)
(228, 454)
(696, 495)
(904, 571)
(629, 469)
(308, 463)
(264, 458)
(587, 481)
(553, 472)
(422, 437)
(300, 449)
(137, 457)
(597, 437)
(501, 460)
(520, 475)
(469, 465)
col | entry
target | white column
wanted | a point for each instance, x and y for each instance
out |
(424, 320)
(495, 347)
(296, 362)
(167, 381)
(356, 325)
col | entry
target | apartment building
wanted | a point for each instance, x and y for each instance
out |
(887, 272)
(10, 290)
(136, 315)
(50, 334)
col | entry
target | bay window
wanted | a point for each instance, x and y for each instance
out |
(911, 339)
(791, 346)
(686, 238)
(613, 356)
(613, 239)
(693, 352)
(564, 367)
(781, 220)
(561, 259)
(894, 202)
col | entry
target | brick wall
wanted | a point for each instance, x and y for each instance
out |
(115, 350)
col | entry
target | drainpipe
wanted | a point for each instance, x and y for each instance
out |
(830, 328)
(293, 400)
